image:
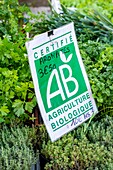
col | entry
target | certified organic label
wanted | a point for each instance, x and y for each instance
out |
(61, 84)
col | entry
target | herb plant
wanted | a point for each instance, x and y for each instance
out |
(17, 98)
(17, 148)
(84, 148)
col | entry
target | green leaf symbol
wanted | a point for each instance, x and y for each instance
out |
(63, 57)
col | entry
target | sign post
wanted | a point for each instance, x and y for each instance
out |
(56, 6)
(60, 80)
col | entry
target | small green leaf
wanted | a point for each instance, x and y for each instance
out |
(4, 110)
(17, 103)
(1, 120)
(30, 95)
(29, 106)
(19, 111)
(18, 107)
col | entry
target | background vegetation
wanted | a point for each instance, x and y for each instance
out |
(105, 7)
(90, 146)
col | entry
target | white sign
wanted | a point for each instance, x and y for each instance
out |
(60, 80)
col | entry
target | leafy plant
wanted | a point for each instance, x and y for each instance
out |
(80, 149)
(94, 24)
(17, 148)
(105, 7)
(98, 60)
(17, 98)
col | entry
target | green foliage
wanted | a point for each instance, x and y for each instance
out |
(16, 148)
(90, 148)
(11, 14)
(93, 25)
(98, 59)
(17, 97)
(106, 7)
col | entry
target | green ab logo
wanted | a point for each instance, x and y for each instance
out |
(65, 81)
